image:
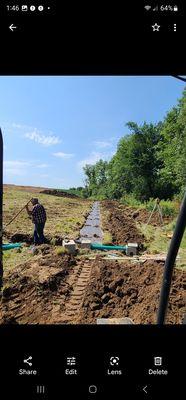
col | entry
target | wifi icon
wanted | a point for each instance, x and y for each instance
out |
(147, 8)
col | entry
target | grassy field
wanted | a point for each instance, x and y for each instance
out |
(168, 208)
(158, 240)
(65, 216)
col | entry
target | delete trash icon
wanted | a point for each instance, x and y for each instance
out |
(158, 361)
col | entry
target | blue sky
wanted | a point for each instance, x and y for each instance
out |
(52, 126)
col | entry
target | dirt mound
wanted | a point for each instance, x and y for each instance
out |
(142, 215)
(18, 237)
(28, 239)
(121, 225)
(131, 290)
(35, 292)
(59, 193)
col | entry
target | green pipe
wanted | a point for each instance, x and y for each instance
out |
(9, 246)
(98, 246)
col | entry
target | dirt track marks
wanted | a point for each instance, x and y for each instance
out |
(79, 280)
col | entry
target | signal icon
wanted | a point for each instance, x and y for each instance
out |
(147, 8)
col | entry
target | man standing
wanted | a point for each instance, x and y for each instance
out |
(38, 215)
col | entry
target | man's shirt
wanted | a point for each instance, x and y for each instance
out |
(38, 214)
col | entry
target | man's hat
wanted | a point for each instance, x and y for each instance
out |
(34, 200)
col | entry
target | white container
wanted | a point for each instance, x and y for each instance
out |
(85, 244)
(114, 321)
(131, 249)
(70, 246)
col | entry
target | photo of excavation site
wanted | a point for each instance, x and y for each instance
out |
(93, 183)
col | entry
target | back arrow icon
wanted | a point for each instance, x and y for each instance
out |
(145, 389)
(12, 27)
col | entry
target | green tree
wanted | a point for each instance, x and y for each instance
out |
(149, 162)
(96, 178)
(172, 150)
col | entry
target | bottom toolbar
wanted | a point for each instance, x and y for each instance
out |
(51, 362)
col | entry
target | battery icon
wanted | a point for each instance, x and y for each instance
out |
(175, 8)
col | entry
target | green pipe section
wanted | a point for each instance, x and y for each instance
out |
(9, 246)
(98, 246)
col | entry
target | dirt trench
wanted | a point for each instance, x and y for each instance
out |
(91, 230)
(121, 225)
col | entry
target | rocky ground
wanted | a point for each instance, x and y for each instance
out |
(36, 290)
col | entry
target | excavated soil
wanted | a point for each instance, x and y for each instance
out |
(17, 237)
(124, 289)
(142, 215)
(58, 193)
(37, 291)
(28, 239)
(121, 225)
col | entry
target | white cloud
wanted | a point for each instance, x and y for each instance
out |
(91, 159)
(20, 168)
(16, 164)
(16, 167)
(42, 166)
(44, 140)
(44, 175)
(94, 157)
(60, 154)
(20, 126)
(15, 127)
(33, 133)
(58, 180)
(102, 144)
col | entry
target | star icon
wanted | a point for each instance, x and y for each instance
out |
(156, 27)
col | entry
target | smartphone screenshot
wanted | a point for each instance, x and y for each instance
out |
(93, 203)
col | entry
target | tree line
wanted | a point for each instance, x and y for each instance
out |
(149, 161)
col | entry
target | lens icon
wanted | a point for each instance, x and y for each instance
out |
(32, 8)
(93, 389)
(40, 8)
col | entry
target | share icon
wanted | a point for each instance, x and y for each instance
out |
(28, 361)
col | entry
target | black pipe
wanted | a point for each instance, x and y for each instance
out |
(169, 263)
(1, 207)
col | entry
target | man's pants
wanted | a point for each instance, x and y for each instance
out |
(38, 233)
